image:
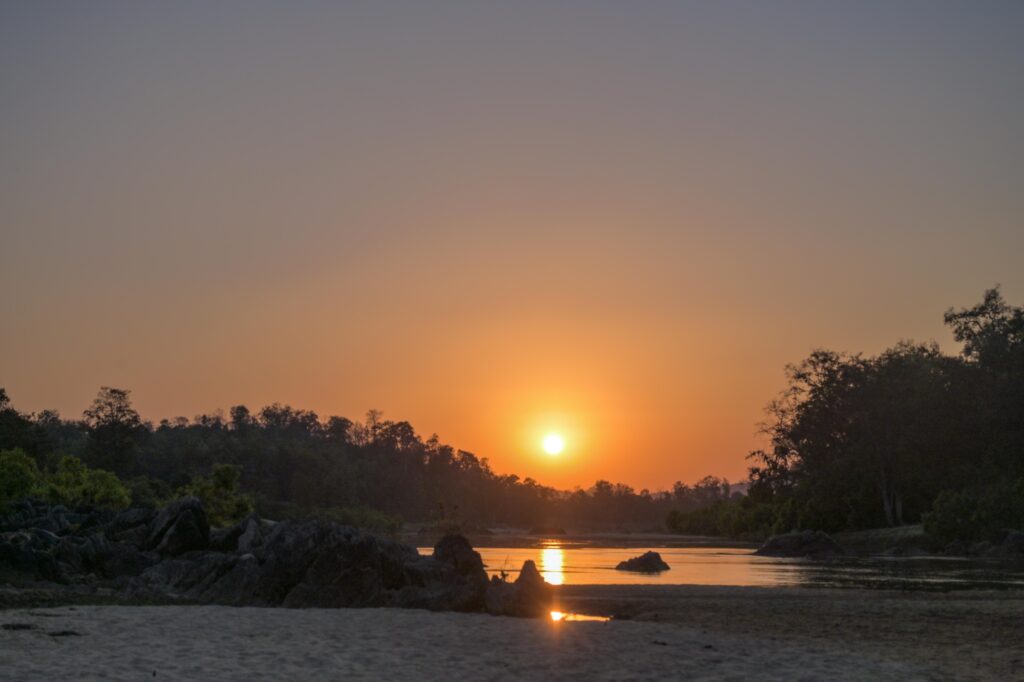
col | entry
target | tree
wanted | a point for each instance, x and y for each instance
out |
(114, 429)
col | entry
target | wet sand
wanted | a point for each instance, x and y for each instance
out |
(694, 633)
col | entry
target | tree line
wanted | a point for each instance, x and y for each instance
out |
(286, 462)
(906, 436)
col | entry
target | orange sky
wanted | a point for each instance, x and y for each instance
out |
(617, 223)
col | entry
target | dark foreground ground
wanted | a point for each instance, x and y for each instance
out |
(962, 635)
(684, 632)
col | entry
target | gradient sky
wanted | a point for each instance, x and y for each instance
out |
(614, 220)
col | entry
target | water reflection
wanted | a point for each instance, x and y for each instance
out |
(562, 563)
(560, 616)
(552, 559)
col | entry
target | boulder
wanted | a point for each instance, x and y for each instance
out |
(171, 555)
(809, 544)
(242, 537)
(1011, 547)
(452, 579)
(180, 527)
(97, 555)
(648, 562)
(456, 551)
(30, 551)
(529, 596)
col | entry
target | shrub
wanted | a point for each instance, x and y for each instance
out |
(149, 492)
(219, 494)
(359, 517)
(966, 516)
(75, 484)
(18, 475)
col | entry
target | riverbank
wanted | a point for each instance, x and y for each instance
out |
(660, 633)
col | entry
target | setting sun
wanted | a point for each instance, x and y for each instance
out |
(553, 444)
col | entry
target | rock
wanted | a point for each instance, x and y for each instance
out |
(452, 579)
(96, 554)
(31, 552)
(230, 539)
(1012, 546)
(456, 551)
(648, 562)
(811, 544)
(529, 596)
(251, 536)
(170, 555)
(180, 527)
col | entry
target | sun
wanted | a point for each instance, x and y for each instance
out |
(553, 444)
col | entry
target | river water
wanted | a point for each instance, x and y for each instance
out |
(573, 564)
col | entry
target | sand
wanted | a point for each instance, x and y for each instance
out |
(699, 634)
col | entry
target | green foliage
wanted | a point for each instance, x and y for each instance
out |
(359, 517)
(363, 517)
(75, 484)
(18, 475)
(219, 494)
(965, 516)
(149, 492)
(737, 517)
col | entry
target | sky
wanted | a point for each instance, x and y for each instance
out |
(614, 221)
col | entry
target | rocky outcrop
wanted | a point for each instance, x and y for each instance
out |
(529, 596)
(648, 562)
(808, 544)
(180, 527)
(172, 555)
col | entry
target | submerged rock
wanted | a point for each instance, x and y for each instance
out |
(648, 562)
(813, 544)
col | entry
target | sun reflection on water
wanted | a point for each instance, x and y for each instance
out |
(551, 561)
(558, 616)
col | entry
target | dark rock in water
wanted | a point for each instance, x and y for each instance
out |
(648, 562)
(171, 555)
(812, 544)
(528, 596)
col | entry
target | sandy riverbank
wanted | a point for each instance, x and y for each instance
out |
(672, 633)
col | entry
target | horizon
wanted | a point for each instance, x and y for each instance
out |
(613, 225)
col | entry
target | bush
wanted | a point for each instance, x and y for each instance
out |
(362, 517)
(18, 475)
(151, 493)
(75, 484)
(359, 517)
(219, 494)
(966, 516)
